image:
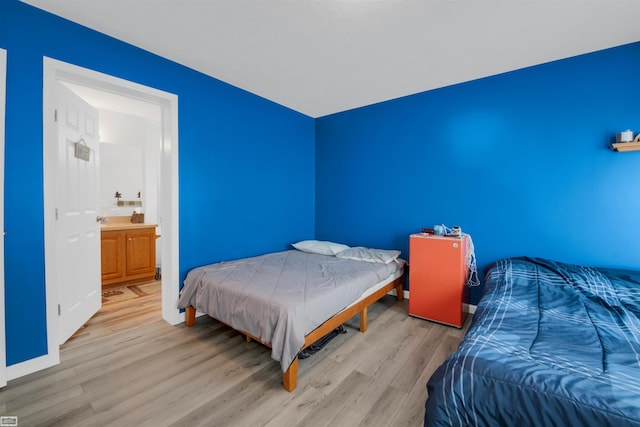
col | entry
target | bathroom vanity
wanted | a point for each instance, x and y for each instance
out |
(128, 252)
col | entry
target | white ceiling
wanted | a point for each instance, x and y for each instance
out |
(325, 56)
(103, 100)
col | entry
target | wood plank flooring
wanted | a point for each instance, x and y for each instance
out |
(128, 367)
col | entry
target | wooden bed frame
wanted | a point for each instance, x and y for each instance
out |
(289, 378)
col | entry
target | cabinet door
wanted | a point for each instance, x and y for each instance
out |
(112, 255)
(141, 252)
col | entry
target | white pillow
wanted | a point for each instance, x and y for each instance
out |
(360, 253)
(319, 247)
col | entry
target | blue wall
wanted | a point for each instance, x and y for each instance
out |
(246, 165)
(519, 160)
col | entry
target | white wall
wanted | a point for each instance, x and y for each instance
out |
(121, 170)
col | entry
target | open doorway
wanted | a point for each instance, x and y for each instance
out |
(54, 73)
(130, 143)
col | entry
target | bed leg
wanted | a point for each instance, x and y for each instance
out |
(400, 292)
(290, 377)
(189, 316)
(363, 319)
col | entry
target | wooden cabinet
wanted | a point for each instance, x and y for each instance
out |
(438, 271)
(128, 255)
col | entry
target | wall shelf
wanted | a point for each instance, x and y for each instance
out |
(626, 146)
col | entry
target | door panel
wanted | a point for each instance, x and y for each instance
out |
(77, 231)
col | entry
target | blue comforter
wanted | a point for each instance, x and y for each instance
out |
(550, 344)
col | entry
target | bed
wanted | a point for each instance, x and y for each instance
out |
(288, 300)
(550, 344)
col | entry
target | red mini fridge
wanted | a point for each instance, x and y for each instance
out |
(438, 269)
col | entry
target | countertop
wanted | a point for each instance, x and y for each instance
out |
(123, 223)
(125, 226)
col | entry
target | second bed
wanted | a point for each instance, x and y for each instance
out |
(288, 300)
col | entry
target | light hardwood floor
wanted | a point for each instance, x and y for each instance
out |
(128, 367)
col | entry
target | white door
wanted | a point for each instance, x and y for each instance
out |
(3, 354)
(77, 205)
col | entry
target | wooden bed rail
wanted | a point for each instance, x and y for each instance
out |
(289, 378)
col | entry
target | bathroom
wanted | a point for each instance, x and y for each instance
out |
(130, 157)
(129, 170)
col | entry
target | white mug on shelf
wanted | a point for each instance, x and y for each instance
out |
(626, 136)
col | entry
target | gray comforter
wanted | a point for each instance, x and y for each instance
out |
(281, 297)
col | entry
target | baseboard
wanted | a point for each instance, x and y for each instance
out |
(30, 366)
(469, 308)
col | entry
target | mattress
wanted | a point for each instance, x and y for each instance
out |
(281, 297)
(549, 344)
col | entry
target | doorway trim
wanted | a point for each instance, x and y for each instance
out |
(3, 344)
(55, 71)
